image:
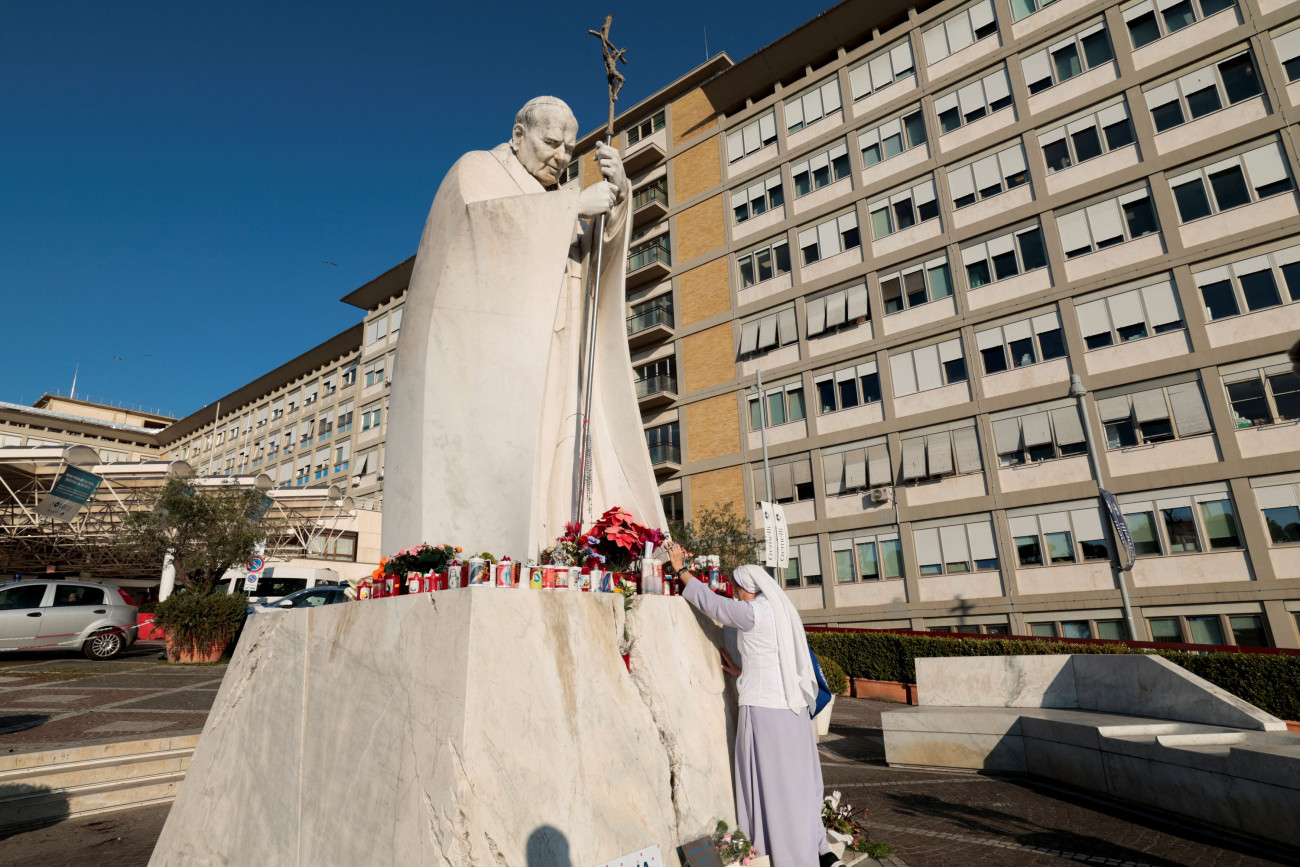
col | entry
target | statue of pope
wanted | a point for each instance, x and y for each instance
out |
(482, 430)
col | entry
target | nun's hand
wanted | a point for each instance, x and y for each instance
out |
(729, 664)
(676, 555)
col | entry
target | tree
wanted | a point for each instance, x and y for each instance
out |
(205, 529)
(718, 530)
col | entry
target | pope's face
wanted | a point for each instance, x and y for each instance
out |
(546, 145)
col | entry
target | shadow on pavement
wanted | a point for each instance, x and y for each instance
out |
(21, 722)
(24, 808)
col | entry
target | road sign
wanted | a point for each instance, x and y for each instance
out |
(254, 565)
(250, 581)
(70, 493)
(1122, 533)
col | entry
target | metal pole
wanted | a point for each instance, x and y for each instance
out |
(762, 433)
(588, 379)
(1078, 392)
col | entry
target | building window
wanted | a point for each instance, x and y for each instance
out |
(805, 564)
(1098, 131)
(1154, 415)
(1129, 315)
(1288, 51)
(791, 481)
(1146, 25)
(846, 388)
(956, 548)
(752, 137)
(812, 105)
(375, 373)
(768, 332)
(934, 454)
(988, 176)
(1241, 630)
(969, 103)
(647, 127)
(342, 456)
(376, 329)
(371, 417)
(1037, 434)
(1251, 284)
(877, 557)
(840, 309)
(892, 137)
(673, 509)
(654, 250)
(1281, 510)
(881, 69)
(1003, 257)
(664, 443)
(1262, 395)
(928, 367)
(1203, 92)
(1085, 50)
(834, 236)
(1059, 537)
(856, 467)
(821, 170)
(757, 199)
(1230, 183)
(784, 405)
(1181, 525)
(916, 285)
(1021, 9)
(345, 417)
(1021, 343)
(571, 171)
(764, 263)
(903, 209)
(970, 25)
(1107, 223)
(348, 376)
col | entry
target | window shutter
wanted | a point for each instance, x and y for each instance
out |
(1287, 45)
(988, 339)
(833, 469)
(986, 172)
(828, 239)
(981, 14)
(1006, 435)
(966, 446)
(881, 71)
(1125, 309)
(816, 316)
(1074, 231)
(1189, 409)
(1024, 525)
(1012, 161)
(867, 368)
(749, 338)
(929, 374)
(971, 97)
(1198, 80)
(793, 113)
(802, 471)
(879, 471)
(1150, 405)
(1037, 66)
(786, 327)
(810, 563)
(760, 484)
(1002, 244)
(1113, 408)
(1276, 496)
(1162, 307)
(960, 33)
(997, 86)
(1051, 137)
(860, 81)
(1250, 266)
(945, 102)
(938, 453)
(1105, 221)
(950, 350)
(868, 138)
(830, 92)
(1068, 427)
(820, 161)
(936, 44)
(903, 373)
(923, 193)
(1112, 114)
(1093, 318)
(1036, 428)
(1265, 165)
(767, 332)
(981, 540)
(953, 539)
(961, 182)
(1046, 322)
(927, 547)
(835, 309)
(974, 253)
(1087, 525)
(901, 57)
(735, 146)
(855, 469)
(857, 301)
(913, 458)
(767, 127)
(1139, 10)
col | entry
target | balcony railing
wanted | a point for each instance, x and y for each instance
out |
(665, 453)
(657, 315)
(655, 193)
(655, 251)
(662, 383)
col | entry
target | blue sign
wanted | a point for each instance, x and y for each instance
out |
(1122, 534)
(258, 508)
(72, 490)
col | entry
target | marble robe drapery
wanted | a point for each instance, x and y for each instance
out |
(484, 400)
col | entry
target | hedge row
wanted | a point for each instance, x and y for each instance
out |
(1270, 682)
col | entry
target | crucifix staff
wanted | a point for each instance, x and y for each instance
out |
(615, 80)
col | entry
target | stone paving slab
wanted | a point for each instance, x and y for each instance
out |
(64, 698)
(186, 699)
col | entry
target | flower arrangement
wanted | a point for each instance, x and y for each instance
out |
(421, 558)
(733, 846)
(843, 823)
(611, 544)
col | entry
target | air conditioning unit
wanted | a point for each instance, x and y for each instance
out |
(880, 495)
(356, 481)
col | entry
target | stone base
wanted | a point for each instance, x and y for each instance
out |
(472, 727)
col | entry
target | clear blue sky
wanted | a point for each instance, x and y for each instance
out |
(173, 175)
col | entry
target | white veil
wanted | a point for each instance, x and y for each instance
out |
(797, 677)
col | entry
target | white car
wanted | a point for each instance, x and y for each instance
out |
(46, 614)
(312, 597)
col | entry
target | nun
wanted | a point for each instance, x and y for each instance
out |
(779, 789)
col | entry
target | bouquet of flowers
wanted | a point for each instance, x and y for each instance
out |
(842, 823)
(422, 558)
(733, 846)
(611, 544)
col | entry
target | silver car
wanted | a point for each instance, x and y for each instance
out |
(97, 619)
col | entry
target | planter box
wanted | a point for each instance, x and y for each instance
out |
(211, 653)
(884, 690)
(1292, 726)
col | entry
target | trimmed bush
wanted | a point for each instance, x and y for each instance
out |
(1268, 681)
(195, 621)
(836, 679)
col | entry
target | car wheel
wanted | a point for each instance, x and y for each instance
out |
(103, 645)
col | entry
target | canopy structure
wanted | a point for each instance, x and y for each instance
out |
(299, 518)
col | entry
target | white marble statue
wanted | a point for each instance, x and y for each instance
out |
(482, 423)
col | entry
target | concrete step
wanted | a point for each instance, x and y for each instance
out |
(107, 770)
(29, 805)
(87, 752)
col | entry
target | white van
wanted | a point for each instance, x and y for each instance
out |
(277, 582)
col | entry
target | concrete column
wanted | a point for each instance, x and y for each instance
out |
(168, 578)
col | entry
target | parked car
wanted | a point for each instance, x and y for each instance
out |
(312, 597)
(97, 619)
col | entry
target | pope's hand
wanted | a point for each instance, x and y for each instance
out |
(611, 165)
(598, 198)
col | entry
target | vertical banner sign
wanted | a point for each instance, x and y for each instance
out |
(1122, 534)
(782, 537)
(769, 534)
(70, 493)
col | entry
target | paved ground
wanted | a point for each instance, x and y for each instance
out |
(53, 700)
(932, 819)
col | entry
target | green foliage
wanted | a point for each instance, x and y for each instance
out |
(873, 850)
(732, 846)
(198, 620)
(1270, 682)
(206, 529)
(721, 531)
(836, 679)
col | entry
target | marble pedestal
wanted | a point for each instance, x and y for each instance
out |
(468, 727)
